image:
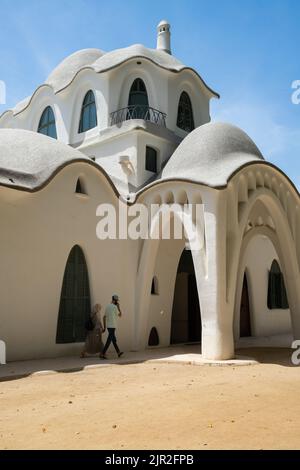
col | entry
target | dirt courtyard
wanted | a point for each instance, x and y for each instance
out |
(157, 406)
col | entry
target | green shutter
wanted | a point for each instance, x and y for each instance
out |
(277, 297)
(75, 304)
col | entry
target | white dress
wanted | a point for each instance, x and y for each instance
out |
(93, 340)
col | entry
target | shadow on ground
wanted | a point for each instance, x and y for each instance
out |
(184, 354)
(267, 355)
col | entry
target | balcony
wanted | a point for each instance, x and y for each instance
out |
(138, 112)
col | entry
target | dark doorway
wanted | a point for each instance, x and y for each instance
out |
(138, 94)
(138, 105)
(245, 319)
(153, 337)
(186, 316)
(75, 304)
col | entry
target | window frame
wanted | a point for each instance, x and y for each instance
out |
(75, 299)
(88, 111)
(139, 91)
(48, 123)
(154, 286)
(277, 295)
(150, 167)
(184, 112)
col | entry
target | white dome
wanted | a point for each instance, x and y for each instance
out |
(64, 73)
(28, 159)
(99, 61)
(211, 154)
(114, 58)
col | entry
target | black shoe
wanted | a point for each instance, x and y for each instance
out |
(102, 356)
(120, 354)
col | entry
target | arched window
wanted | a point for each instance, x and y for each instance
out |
(138, 100)
(88, 117)
(185, 118)
(75, 304)
(47, 123)
(80, 189)
(154, 286)
(277, 297)
(153, 337)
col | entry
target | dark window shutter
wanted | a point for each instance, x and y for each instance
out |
(75, 304)
(138, 94)
(185, 117)
(277, 296)
(151, 159)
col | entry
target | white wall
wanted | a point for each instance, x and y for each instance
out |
(257, 262)
(37, 233)
(111, 90)
(160, 310)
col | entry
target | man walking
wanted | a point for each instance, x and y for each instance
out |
(112, 312)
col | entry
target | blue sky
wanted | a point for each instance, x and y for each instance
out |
(247, 50)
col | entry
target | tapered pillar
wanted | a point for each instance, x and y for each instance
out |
(217, 315)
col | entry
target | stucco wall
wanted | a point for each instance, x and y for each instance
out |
(111, 91)
(37, 233)
(160, 310)
(257, 262)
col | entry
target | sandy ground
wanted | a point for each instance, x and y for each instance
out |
(157, 406)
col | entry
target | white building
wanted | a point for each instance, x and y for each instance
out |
(135, 123)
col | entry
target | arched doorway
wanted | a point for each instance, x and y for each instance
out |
(186, 316)
(75, 303)
(138, 104)
(245, 317)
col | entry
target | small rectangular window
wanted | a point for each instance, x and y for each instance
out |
(151, 159)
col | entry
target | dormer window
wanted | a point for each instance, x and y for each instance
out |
(185, 118)
(47, 124)
(138, 104)
(138, 107)
(138, 94)
(88, 117)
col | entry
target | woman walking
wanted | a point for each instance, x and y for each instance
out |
(93, 341)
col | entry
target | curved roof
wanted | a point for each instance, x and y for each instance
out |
(118, 56)
(99, 61)
(28, 159)
(64, 73)
(211, 154)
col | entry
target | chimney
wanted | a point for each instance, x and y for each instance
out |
(164, 37)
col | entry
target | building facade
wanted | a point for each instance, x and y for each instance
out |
(128, 128)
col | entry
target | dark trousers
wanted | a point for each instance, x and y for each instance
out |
(111, 339)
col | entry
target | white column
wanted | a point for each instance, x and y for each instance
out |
(216, 314)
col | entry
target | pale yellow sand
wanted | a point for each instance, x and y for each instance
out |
(156, 406)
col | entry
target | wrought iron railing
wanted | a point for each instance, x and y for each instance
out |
(138, 112)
